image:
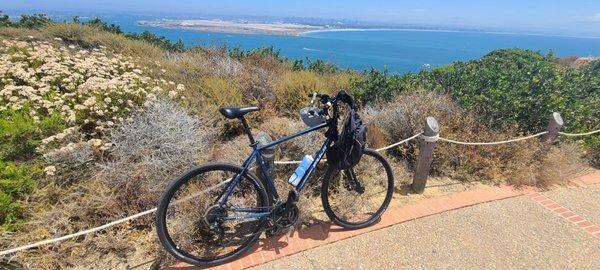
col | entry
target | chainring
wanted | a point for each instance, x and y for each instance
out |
(283, 222)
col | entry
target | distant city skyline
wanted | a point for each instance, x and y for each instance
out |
(576, 17)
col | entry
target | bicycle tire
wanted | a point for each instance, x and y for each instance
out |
(161, 215)
(326, 192)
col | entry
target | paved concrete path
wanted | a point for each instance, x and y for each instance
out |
(526, 232)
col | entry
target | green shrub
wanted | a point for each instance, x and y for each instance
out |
(5, 21)
(268, 51)
(16, 182)
(20, 135)
(156, 40)
(522, 87)
(319, 66)
(33, 21)
(102, 25)
(375, 85)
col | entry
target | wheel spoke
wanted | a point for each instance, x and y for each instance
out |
(197, 228)
(347, 206)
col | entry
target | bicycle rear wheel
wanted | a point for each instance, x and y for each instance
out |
(356, 198)
(191, 227)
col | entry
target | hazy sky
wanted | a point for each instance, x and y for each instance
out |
(556, 16)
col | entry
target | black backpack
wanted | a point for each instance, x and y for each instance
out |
(347, 150)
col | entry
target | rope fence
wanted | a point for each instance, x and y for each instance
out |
(398, 143)
(430, 136)
(102, 227)
(494, 143)
(579, 134)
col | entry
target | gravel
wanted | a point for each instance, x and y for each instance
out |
(509, 234)
(583, 201)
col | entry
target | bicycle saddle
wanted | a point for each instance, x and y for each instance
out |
(236, 112)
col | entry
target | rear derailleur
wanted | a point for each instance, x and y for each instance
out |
(214, 218)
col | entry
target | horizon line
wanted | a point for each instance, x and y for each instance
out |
(427, 27)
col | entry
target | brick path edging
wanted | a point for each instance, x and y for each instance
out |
(566, 214)
(324, 233)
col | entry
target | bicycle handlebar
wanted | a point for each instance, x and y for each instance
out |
(324, 98)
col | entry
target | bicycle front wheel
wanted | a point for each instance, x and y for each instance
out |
(357, 197)
(193, 229)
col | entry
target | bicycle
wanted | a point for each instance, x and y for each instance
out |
(236, 208)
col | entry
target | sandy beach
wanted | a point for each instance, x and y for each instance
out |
(234, 27)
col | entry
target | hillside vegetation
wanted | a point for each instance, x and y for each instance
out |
(95, 122)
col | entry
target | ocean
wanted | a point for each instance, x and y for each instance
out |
(397, 50)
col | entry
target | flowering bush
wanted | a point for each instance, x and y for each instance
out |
(90, 90)
(60, 101)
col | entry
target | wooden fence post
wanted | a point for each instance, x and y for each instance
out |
(430, 133)
(554, 126)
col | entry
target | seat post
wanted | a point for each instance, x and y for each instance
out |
(247, 130)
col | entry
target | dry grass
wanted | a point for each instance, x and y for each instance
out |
(516, 163)
(87, 37)
(559, 164)
(293, 89)
(148, 151)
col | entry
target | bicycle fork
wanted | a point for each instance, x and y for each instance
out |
(352, 182)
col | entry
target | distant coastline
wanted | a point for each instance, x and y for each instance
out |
(296, 29)
(235, 27)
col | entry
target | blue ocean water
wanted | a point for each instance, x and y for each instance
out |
(397, 50)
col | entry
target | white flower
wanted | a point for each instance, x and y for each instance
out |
(95, 142)
(50, 170)
(79, 85)
(89, 102)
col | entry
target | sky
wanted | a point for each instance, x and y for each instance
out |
(543, 16)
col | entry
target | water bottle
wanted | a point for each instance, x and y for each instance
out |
(301, 170)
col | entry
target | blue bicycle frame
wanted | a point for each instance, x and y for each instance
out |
(255, 213)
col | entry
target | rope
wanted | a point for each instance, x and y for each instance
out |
(287, 162)
(147, 212)
(110, 224)
(579, 134)
(494, 143)
(62, 238)
(398, 143)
